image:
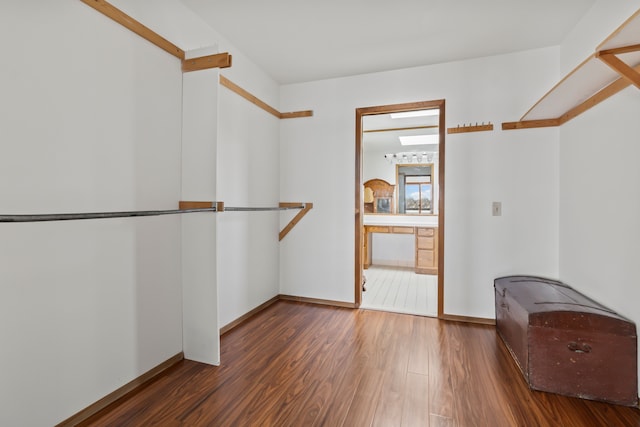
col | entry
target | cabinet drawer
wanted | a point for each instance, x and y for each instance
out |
(402, 230)
(425, 258)
(377, 229)
(425, 242)
(426, 232)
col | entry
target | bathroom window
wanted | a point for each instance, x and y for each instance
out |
(415, 192)
(418, 197)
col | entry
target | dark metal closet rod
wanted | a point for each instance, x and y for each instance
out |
(127, 214)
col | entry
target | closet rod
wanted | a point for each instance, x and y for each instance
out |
(127, 214)
(95, 215)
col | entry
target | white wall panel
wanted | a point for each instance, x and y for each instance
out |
(599, 201)
(596, 25)
(248, 175)
(201, 338)
(520, 169)
(90, 119)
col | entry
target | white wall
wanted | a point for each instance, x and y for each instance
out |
(599, 175)
(90, 118)
(597, 24)
(396, 250)
(374, 165)
(247, 175)
(520, 169)
(200, 319)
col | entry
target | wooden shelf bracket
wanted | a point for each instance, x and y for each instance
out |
(619, 66)
(220, 207)
(307, 207)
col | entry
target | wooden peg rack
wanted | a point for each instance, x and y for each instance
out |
(470, 128)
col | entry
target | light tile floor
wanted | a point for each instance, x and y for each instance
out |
(400, 290)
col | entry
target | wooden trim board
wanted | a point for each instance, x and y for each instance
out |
(248, 96)
(184, 205)
(594, 100)
(470, 128)
(258, 102)
(229, 326)
(620, 67)
(219, 60)
(467, 319)
(137, 27)
(316, 301)
(296, 114)
(530, 124)
(265, 305)
(93, 409)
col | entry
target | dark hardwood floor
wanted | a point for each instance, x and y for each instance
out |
(298, 364)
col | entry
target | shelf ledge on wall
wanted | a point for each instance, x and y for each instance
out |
(470, 128)
(614, 66)
(260, 103)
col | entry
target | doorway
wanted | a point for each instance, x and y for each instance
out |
(380, 208)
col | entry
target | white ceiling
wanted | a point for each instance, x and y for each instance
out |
(304, 40)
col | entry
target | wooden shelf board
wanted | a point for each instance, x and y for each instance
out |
(626, 34)
(465, 129)
(580, 87)
(258, 102)
(586, 79)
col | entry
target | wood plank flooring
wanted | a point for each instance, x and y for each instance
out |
(298, 364)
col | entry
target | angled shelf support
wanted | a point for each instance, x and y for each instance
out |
(610, 58)
(208, 206)
(306, 208)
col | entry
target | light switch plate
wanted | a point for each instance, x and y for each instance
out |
(496, 208)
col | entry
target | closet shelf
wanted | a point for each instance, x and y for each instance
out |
(614, 66)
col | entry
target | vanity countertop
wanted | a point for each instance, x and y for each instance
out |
(401, 220)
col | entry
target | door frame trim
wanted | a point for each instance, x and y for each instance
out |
(359, 202)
